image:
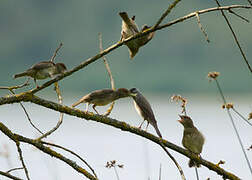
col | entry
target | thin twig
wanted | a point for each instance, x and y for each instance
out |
(160, 173)
(166, 13)
(60, 99)
(239, 114)
(110, 75)
(9, 176)
(104, 120)
(56, 51)
(196, 172)
(117, 176)
(73, 153)
(17, 86)
(234, 13)
(14, 169)
(27, 115)
(234, 126)
(117, 45)
(235, 38)
(201, 27)
(174, 160)
(22, 160)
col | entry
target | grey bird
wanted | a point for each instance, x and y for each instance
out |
(103, 97)
(193, 140)
(130, 28)
(43, 70)
(144, 109)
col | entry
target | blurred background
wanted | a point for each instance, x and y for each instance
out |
(175, 61)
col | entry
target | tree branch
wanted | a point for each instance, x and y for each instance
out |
(45, 149)
(120, 125)
(141, 34)
(9, 175)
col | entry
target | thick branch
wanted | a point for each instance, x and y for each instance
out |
(9, 176)
(45, 149)
(124, 127)
(141, 34)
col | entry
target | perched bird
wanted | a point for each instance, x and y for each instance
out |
(144, 109)
(130, 28)
(43, 70)
(192, 140)
(103, 97)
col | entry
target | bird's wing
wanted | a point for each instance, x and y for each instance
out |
(100, 94)
(43, 65)
(145, 106)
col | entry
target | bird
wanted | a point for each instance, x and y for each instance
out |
(103, 97)
(193, 139)
(144, 109)
(130, 28)
(43, 70)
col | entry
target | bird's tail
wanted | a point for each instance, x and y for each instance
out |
(125, 17)
(78, 102)
(20, 75)
(192, 163)
(157, 130)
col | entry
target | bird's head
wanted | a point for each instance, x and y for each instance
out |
(61, 67)
(186, 121)
(133, 92)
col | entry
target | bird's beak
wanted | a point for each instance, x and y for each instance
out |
(133, 95)
(180, 121)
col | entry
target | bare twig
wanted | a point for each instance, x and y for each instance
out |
(14, 169)
(9, 176)
(239, 114)
(109, 73)
(27, 115)
(22, 159)
(56, 51)
(232, 120)
(201, 27)
(196, 172)
(174, 160)
(45, 149)
(235, 38)
(104, 120)
(73, 153)
(61, 114)
(239, 16)
(160, 173)
(17, 86)
(117, 45)
(166, 13)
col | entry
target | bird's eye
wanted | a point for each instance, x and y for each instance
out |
(133, 90)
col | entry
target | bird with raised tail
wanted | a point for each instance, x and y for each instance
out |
(130, 28)
(43, 70)
(144, 109)
(193, 139)
(103, 97)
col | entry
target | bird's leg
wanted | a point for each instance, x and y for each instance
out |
(87, 107)
(37, 86)
(95, 109)
(147, 125)
(141, 124)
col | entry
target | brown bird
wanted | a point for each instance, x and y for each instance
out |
(43, 70)
(103, 97)
(130, 28)
(144, 109)
(192, 140)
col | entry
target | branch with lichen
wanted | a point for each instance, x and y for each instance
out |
(45, 149)
(138, 35)
(115, 123)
